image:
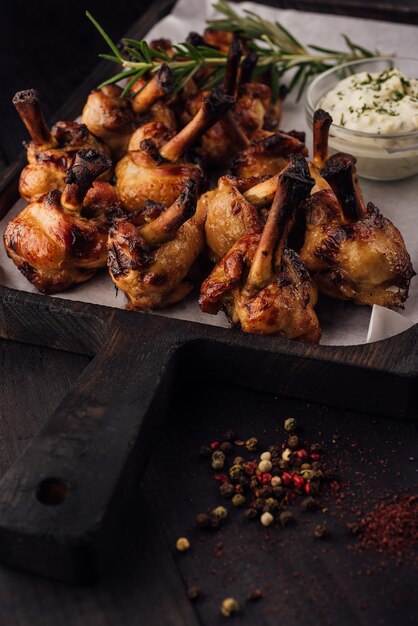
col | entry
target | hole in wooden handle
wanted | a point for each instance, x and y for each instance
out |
(52, 491)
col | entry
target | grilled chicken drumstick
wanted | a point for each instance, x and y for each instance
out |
(114, 119)
(151, 252)
(234, 210)
(153, 168)
(263, 285)
(51, 152)
(51, 242)
(353, 252)
(268, 153)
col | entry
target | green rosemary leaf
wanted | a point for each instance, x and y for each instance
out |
(109, 57)
(117, 77)
(105, 36)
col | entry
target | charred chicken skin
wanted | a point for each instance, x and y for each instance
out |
(114, 119)
(268, 153)
(151, 252)
(252, 108)
(353, 252)
(153, 168)
(234, 209)
(51, 152)
(263, 285)
(51, 242)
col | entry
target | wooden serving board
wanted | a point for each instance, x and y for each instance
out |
(63, 498)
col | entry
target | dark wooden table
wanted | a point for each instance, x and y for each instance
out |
(141, 586)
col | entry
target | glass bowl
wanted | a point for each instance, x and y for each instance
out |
(379, 156)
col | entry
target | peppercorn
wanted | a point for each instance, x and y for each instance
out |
(255, 594)
(182, 544)
(227, 490)
(309, 504)
(264, 466)
(229, 607)
(239, 460)
(193, 593)
(316, 447)
(293, 442)
(286, 518)
(266, 519)
(205, 451)
(283, 464)
(290, 425)
(251, 444)
(235, 472)
(253, 483)
(274, 449)
(203, 520)
(244, 480)
(229, 435)
(220, 512)
(272, 504)
(321, 531)
(265, 492)
(226, 447)
(250, 513)
(307, 474)
(278, 491)
(276, 481)
(238, 499)
(215, 522)
(265, 456)
(259, 503)
(286, 454)
(218, 459)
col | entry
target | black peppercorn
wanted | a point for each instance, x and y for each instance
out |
(205, 451)
(227, 490)
(226, 447)
(203, 520)
(293, 442)
(250, 513)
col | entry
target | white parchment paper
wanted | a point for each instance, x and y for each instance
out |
(342, 322)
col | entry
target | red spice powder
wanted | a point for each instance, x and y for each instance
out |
(392, 527)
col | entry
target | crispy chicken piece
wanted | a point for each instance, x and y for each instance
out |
(51, 153)
(51, 242)
(153, 168)
(233, 210)
(114, 119)
(219, 39)
(353, 252)
(263, 285)
(151, 252)
(223, 139)
(268, 153)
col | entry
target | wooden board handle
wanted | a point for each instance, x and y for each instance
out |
(63, 498)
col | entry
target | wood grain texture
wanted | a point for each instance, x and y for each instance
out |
(141, 585)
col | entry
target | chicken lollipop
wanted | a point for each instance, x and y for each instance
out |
(51, 152)
(263, 285)
(234, 210)
(51, 242)
(114, 119)
(151, 252)
(153, 168)
(353, 252)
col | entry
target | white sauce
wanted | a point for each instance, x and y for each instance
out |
(385, 102)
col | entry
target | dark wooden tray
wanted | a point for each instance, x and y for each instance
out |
(62, 500)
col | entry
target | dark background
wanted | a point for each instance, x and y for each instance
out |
(51, 46)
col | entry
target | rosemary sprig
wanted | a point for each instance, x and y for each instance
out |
(278, 52)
